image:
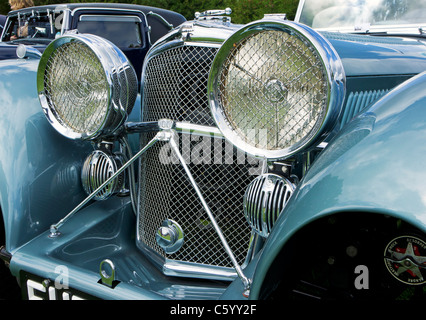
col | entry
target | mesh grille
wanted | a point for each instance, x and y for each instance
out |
(273, 89)
(176, 88)
(175, 85)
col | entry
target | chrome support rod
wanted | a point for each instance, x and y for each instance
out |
(54, 227)
(237, 267)
(197, 129)
(161, 18)
(167, 133)
(183, 127)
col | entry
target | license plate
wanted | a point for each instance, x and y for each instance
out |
(38, 288)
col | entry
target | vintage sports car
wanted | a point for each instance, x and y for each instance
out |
(278, 159)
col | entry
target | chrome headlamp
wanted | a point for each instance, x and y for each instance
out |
(276, 88)
(86, 86)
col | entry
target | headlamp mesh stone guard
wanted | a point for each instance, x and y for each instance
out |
(275, 88)
(86, 86)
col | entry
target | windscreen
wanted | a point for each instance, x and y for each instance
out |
(359, 13)
(123, 31)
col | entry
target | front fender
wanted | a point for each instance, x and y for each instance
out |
(376, 164)
(39, 169)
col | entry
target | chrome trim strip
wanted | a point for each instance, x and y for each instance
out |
(299, 10)
(186, 127)
(106, 9)
(182, 127)
(108, 18)
(182, 268)
(161, 18)
(176, 268)
(202, 44)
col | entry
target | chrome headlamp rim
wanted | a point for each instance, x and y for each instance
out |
(335, 77)
(114, 64)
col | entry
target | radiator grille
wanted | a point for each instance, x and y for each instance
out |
(175, 87)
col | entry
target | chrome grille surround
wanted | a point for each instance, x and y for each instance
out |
(175, 87)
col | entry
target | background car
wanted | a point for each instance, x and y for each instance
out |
(272, 160)
(133, 28)
(2, 22)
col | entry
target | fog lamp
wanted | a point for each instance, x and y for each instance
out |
(98, 167)
(265, 198)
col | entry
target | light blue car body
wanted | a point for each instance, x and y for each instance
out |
(356, 172)
(40, 179)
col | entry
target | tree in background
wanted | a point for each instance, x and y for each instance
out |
(4, 7)
(243, 11)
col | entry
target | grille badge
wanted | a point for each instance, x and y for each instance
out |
(170, 236)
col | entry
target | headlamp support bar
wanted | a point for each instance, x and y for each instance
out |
(167, 133)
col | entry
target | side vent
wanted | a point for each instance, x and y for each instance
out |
(357, 101)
